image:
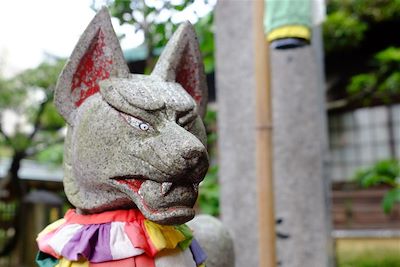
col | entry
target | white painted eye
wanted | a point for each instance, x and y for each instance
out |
(135, 122)
(144, 126)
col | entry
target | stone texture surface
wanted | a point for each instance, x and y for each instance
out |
(137, 141)
(133, 140)
(214, 239)
(299, 140)
(236, 122)
(188, 70)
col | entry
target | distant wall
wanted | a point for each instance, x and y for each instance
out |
(361, 137)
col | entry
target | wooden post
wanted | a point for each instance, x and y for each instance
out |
(264, 153)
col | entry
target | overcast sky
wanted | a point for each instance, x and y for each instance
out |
(31, 28)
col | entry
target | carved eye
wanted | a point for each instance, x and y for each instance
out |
(135, 122)
(144, 126)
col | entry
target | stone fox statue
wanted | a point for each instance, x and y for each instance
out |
(135, 153)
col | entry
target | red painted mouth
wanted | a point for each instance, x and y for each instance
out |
(133, 184)
(174, 204)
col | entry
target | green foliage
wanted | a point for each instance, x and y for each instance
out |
(349, 20)
(343, 31)
(390, 55)
(362, 82)
(209, 193)
(7, 211)
(383, 81)
(210, 122)
(20, 142)
(390, 199)
(383, 172)
(348, 23)
(50, 119)
(374, 258)
(209, 187)
(52, 154)
(376, 10)
(44, 76)
(11, 94)
(390, 85)
(205, 33)
(210, 118)
(372, 11)
(30, 95)
(154, 18)
(157, 20)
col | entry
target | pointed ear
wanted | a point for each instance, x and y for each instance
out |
(96, 57)
(181, 62)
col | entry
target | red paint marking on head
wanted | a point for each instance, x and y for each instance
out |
(187, 76)
(94, 66)
(134, 185)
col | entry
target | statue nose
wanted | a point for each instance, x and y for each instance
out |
(195, 159)
(192, 154)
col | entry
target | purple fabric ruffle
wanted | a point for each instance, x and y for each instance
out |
(91, 242)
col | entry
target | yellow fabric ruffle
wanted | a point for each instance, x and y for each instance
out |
(163, 236)
(293, 31)
(66, 263)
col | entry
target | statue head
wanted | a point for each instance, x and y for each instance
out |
(133, 141)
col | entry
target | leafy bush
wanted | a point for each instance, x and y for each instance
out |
(383, 81)
(365, 82)
(209, 187)
(383, 172)
(343, 31)
(377, 10)
(209, 193)
(373, 11)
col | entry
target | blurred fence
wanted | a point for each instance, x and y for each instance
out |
(361, 137)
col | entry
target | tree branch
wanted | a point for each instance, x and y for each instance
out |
(36, 124)
(8, 139)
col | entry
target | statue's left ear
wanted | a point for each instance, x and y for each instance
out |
(96, 57)
(181, 62)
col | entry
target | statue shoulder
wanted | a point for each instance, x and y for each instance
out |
(215, 239)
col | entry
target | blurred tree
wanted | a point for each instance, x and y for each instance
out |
(209, 187)
(382, 82)
(343, 31)
(158, 20)
(30, 127)
(361, 51)
(349, 20)
(29, 124)
(27, 99)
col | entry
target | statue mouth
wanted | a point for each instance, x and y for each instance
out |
(162, 202)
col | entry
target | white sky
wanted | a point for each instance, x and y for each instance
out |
(29, 29)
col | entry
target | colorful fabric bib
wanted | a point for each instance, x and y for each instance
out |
(114, 238)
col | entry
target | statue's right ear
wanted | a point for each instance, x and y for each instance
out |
(96, 57)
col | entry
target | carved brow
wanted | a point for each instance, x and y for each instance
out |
(139, 113)
(186, 117)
